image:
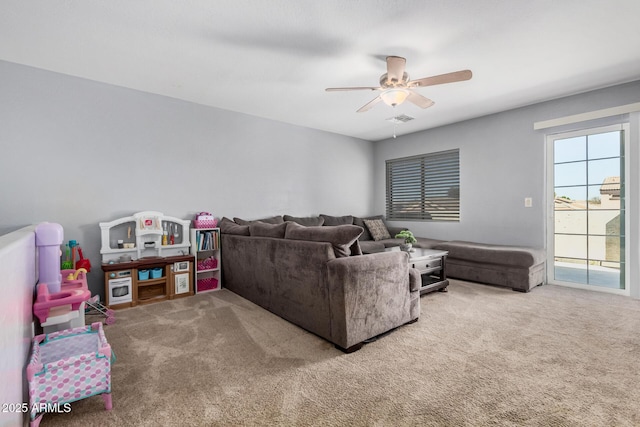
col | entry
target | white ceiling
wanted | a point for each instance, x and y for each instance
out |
(274, 58)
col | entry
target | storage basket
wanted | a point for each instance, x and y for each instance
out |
(207, 264)
(207, 284)
(156, 273)
(204, 220)
(205, 223)
(143, 274)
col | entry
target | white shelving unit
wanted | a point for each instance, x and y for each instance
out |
(205, 245)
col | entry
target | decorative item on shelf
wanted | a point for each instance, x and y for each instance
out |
(409, 240)
(150, 222)
(205, 220)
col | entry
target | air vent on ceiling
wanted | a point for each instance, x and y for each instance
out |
(402, 118)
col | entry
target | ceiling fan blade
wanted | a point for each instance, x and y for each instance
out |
(419, 100)
(395, 68)
(369, 105)
(456, 76)
(335, 89)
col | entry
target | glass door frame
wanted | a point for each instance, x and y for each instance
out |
(550, 207)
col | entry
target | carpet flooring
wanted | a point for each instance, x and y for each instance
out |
(478, 356)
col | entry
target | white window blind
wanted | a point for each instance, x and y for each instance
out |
(424, 187)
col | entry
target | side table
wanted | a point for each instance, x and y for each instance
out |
(432, 266)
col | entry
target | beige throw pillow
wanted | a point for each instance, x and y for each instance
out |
(377, 228)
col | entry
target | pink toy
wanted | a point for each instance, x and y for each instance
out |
(74, 279)
(66, 366)
(46, 301)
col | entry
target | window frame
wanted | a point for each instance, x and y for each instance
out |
(430, 193)
(626, 187)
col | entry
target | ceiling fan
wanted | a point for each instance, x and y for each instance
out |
(396, 86)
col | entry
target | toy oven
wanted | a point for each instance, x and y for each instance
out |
(180, 266)
(120, 288)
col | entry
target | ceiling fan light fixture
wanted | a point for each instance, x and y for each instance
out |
(393, 97)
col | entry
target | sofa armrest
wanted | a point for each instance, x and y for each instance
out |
(415, 280)
(368, 295)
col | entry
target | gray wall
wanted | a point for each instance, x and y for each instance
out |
(502, 161)
(77, 152)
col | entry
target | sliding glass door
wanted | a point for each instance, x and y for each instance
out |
(586, 239)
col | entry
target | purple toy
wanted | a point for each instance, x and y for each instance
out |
(49, 237)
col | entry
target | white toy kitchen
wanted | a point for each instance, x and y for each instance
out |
(145, 259)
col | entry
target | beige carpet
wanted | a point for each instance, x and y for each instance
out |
(478, 356)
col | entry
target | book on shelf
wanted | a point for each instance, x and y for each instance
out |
(208, 240)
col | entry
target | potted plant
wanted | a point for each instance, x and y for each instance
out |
(409, 240)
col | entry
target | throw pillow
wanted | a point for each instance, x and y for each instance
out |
(337, 220)
(262, 229)
(341, 237)
(309, 221)
(377, 228)
(229, 227)
(360, 222)
(271, 220)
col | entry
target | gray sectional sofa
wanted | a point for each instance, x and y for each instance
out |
(517, 267)
(309, 271)
(316, 278)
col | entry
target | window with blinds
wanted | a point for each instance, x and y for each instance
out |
(424, 187)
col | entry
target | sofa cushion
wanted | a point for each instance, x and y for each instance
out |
(337, 220)
(360, 223)
(341, 237)
(427, 243)
(271, 220)
(395, 230)
(389, 243)
(493, 254)
(377, 229)
(227, 226)
(371, 246)
(355, 248)
(308, 221)
(262, 229)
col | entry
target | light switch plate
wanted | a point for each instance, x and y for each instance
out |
(528, 202)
